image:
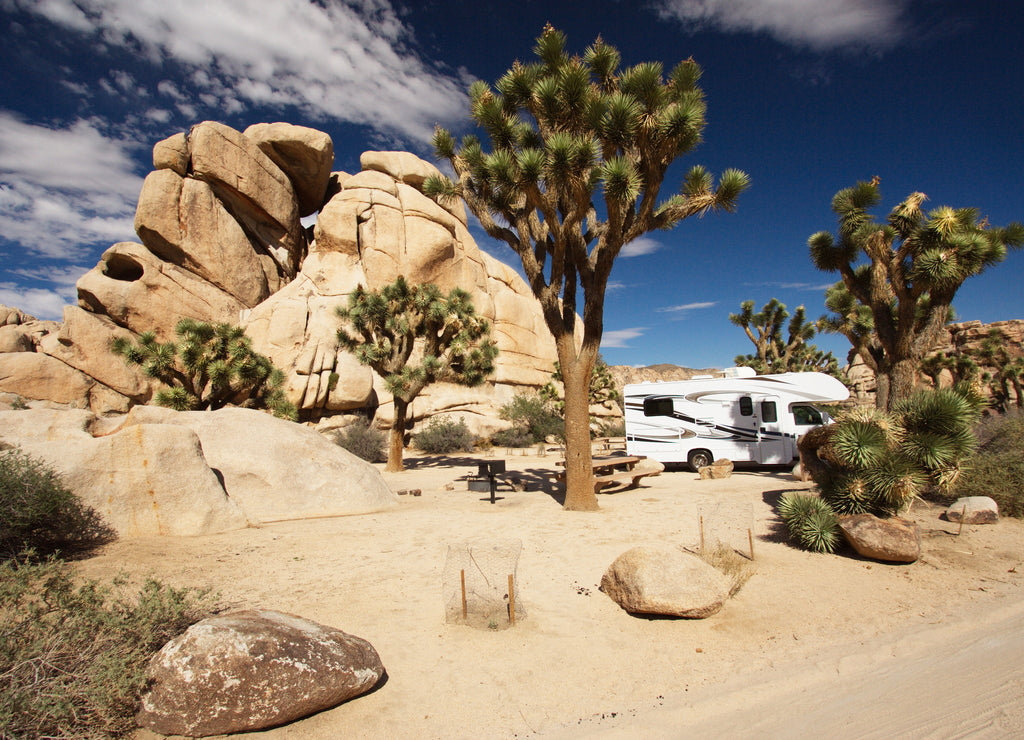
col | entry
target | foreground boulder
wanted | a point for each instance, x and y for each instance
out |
(974, 510)
(893, 540)
(251, 670)
(717, 470)
(665, 581)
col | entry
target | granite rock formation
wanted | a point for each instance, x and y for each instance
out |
(221, 240)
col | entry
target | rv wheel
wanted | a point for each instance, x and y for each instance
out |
(698, 459)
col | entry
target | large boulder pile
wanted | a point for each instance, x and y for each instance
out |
(221, 240)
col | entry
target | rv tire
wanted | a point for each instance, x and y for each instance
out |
(698, 459)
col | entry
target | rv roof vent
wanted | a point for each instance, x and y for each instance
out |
(739, 372)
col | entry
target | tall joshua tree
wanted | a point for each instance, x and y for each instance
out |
(452, 341)
(916, 262)
(578, 151)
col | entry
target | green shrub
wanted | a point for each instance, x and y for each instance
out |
(997, 470)
(38, 513)
(442, 435)
(364, 441)
(73, 657)
(811, 522)
(513, 437)
(531, 414)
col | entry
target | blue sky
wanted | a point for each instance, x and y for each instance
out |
(806, 96)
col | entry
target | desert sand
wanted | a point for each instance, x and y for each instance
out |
(811, 646)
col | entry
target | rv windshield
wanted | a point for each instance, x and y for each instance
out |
(805, 415)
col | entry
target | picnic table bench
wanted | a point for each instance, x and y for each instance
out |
(605, 473)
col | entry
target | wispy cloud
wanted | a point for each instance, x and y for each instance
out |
(816, 24)
(345, 61)
(620, 337)
(816, 287)
(64, 189)
(684, 307)
(39, 302)
(641, 246)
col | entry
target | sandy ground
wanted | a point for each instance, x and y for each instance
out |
(813, 645)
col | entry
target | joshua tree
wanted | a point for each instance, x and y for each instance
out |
(211, 366)
(602, 388)
(916, 263)
(453, 344)
(579, 150)
(776, 353)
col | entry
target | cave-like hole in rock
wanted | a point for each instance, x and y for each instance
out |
(122, 267)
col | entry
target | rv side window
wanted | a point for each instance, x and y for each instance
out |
(657, 406)
(768, 412)
(746, 406)
(806, 416)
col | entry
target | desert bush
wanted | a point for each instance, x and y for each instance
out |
(442, 435)
(531, 415)
(364, 441)
(37, 512)
(997, 469)
(613, 428)
(513, 437)
(73, 656)
(811, 522)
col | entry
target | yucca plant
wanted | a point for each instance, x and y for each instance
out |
(872, 461)
(210, 366)
(811, 522)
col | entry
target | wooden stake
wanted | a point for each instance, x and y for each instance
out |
(462, 576)
(963, 515)
(702, 533)
(511, 600)
(750, 538)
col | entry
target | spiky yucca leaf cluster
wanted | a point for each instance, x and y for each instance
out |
(877, 462)
(811, 522)
(210, 366)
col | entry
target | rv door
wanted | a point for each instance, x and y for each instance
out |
(773, 446)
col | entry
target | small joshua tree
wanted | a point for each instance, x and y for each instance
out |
(209, 367)
(454, 344)
(777, 353)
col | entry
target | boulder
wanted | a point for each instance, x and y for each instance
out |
(9, 315)
(275, 469)
(721, 468)
(251, 670)
(14, 338)
(181, 221)
(665, 581)
(893, 540)
(253, 188)
(39, 376)
(172, 154)
(149, 480)
(974, 510)
(141, 292)
(305, 155)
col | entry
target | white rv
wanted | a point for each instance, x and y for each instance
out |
(740, 416)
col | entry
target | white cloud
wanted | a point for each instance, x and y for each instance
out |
(41, 303)
(817, 24)
(62, 190)
(350, 61)
(686, 307)
(620, 337)
(640, 246)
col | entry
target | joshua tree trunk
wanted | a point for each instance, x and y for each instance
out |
(396, 440)
(579, 472)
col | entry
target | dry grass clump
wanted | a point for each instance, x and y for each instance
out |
(738, 568)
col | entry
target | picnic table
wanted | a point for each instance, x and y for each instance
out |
(615, 469)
